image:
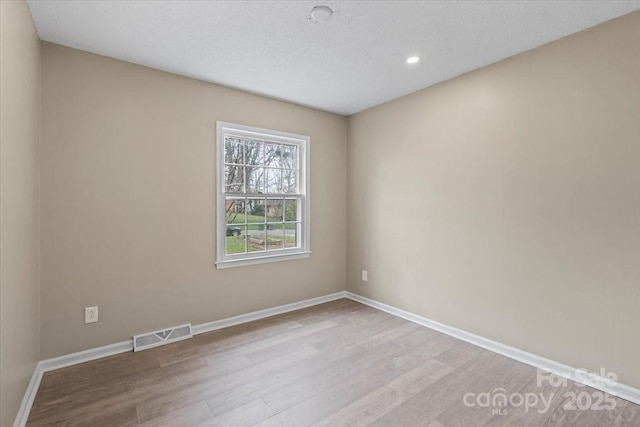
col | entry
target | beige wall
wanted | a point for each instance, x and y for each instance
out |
(506, 202)
(128, 170)
(19, 194)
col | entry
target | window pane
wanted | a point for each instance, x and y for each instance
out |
(261, 191)
(234, 179)
(233, 150)
(235, 243)
(274, 210)
(257, 238)
(272, 154)
(291, 236)
(255, 211)
(254, 152)
(274, 181)
(274, 236)
(289, 181)
(255, 179)
(234, 210)
(291, 210)
(289, 156)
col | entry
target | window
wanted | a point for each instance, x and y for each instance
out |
(262, 195)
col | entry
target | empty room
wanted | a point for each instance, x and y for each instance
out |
(319, 213)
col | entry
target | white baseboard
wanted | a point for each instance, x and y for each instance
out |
(622, 391)
(29, 397)
(86, 356)
(126, 346)
(261, 314)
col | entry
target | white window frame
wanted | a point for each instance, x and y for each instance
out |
(302, 142)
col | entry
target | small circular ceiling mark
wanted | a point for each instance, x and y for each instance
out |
(321, 14)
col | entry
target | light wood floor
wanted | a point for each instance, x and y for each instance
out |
(339, 363)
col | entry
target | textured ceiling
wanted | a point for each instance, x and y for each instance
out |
(354, 62)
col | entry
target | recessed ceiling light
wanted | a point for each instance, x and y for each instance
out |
(413, 59)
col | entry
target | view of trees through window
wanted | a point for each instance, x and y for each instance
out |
(262, 200)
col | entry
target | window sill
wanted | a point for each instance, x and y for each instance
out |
(261, 260)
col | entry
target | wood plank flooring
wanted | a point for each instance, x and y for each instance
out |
(335, 364)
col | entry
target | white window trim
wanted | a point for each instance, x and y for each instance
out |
(227, 261)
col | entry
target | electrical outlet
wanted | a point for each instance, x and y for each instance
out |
(91, 314)
(364, 275)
